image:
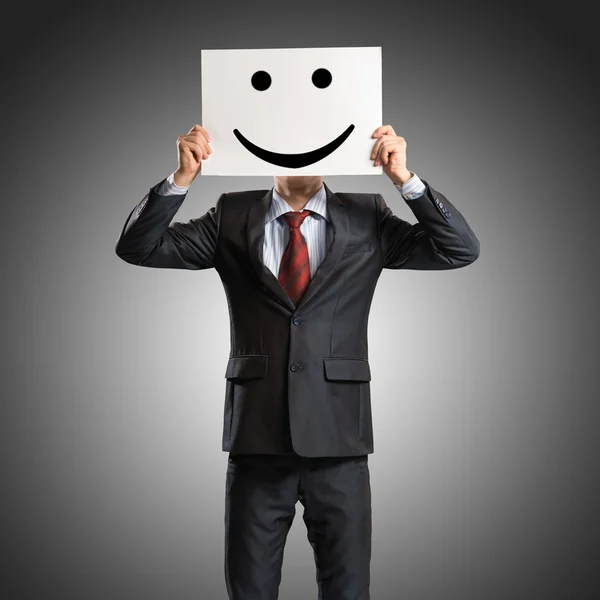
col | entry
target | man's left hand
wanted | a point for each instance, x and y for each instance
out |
(390, 152)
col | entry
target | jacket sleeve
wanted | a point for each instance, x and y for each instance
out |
(149, 239)
(442, 239)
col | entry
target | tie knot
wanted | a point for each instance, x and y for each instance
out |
(295, 219)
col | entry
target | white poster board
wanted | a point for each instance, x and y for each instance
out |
(291, 111)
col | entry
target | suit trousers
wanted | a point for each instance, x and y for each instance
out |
(261, 495)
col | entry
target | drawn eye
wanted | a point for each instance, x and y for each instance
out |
(261, 80)
(321, 78)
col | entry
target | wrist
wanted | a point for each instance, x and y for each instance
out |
(182, 180)
(401, 177)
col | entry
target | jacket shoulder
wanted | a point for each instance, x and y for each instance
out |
(243, 195)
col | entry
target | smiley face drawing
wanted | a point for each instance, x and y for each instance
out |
(261, 81)
(301, 111)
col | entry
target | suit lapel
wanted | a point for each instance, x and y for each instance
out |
(255, 233)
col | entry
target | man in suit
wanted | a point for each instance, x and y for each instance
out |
(299, 265)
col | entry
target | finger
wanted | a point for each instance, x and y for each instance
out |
(386, 150)
(203, 144)
(384, 130)
(396, 144)
(199, 138)
(375, 150)
(203, 148)
(379, 156)
(188, 154)
(376, 147)
(197, 150)
(197, 127)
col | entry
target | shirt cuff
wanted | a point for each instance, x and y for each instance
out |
(170, 188)
(411, 189)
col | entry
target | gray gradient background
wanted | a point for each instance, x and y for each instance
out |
(485, 476)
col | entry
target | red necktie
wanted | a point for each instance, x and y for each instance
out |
(294, 269)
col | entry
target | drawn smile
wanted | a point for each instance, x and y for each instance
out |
(293, 161)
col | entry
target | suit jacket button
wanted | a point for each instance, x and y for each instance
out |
(294, 367)
(296, 320)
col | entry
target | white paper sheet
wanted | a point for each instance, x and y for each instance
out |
(291, 111)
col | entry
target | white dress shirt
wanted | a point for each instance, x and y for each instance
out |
(316, 228)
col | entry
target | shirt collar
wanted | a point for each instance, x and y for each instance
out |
(279, 206)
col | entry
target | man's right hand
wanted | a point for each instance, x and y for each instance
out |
(194, 147)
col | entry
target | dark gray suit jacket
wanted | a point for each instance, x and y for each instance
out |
(298, 376)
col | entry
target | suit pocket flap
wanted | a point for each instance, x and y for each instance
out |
(364, 247)
(354, 369)
(247, 367)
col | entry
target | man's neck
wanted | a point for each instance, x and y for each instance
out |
(298, 198)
